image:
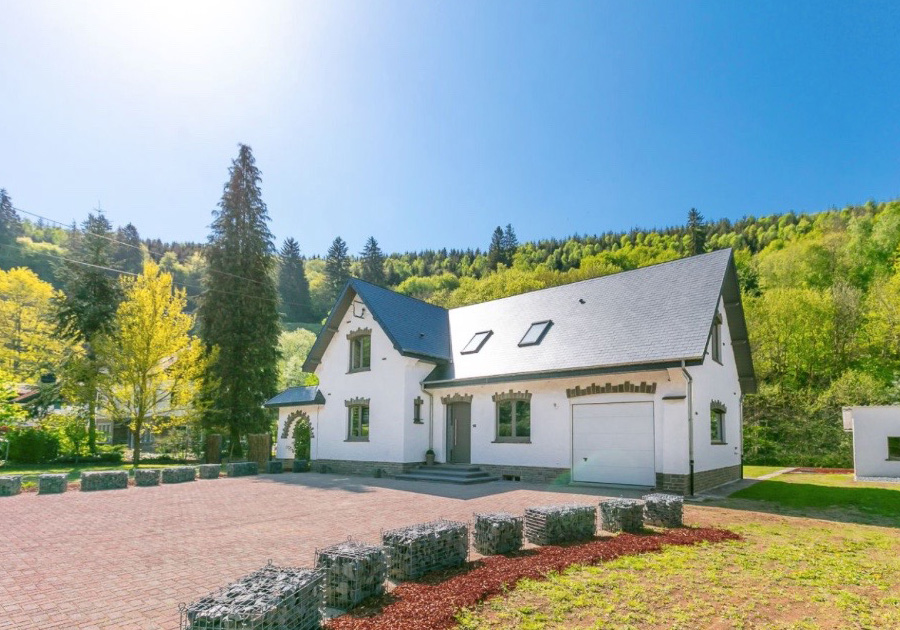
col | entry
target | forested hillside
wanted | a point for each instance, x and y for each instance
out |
(821, 291)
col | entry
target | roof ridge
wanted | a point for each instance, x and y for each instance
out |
(611, 275)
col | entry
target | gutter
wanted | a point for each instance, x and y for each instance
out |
(690, 410)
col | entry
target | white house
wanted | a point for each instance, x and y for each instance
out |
(635, 378)
(876, 440)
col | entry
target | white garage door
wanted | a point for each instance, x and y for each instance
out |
(613, 443)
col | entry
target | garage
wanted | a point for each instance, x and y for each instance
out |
(613, 443)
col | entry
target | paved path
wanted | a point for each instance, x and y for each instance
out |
(124, 559)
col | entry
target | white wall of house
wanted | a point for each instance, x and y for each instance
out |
(872, 426)
(715, 381)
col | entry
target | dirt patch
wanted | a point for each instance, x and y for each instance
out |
(431, 604)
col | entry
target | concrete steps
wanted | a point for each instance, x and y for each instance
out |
(463, 474)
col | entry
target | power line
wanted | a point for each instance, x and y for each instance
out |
(182, 285)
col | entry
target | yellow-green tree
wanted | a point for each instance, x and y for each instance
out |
(152, 364)
(28, 346)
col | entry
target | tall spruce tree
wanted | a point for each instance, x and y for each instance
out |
(293, 286)
(337, 267)
(496, 255)
(372, 260)
(10, 228)
(129, 256)
(510, 243)
(87, 307)
(697, 231)
(239, 310)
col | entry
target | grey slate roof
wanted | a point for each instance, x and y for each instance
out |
(648, 317)
(296, 397)
(654, 315)
(416, 328)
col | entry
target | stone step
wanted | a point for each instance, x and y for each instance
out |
(436, 471)
(418, 475)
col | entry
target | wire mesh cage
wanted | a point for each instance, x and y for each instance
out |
(419, 549)
(553, 524)
(497, 532)
(664, 510)
(353, 572)
(622, 515)
(272, 598)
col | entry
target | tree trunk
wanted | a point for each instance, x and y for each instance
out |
(92, 424)
(136, 456)
(235, 447)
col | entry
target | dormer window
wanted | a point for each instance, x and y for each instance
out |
(360, 350)
(715, 343)
(478, 340)
(535, 333)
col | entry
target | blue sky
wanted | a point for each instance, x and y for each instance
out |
(426, 124)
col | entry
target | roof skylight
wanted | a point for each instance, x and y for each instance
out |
(536, 333)
(476, 342)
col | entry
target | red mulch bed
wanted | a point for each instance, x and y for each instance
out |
(432, 603)
(827, 471)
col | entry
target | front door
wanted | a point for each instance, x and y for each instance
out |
(459, 432)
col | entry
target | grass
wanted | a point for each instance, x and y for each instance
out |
(804, 492)
(752, 472)
(31, 471)
(782, 575)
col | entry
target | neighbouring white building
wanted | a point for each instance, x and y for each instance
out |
(876, 440)
(635, 378)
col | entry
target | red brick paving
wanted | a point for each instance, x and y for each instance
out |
(124, 559)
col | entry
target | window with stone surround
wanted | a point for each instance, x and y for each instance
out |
(360, 350)
(513, 422)
(717, 422)
(357, 420)
(417, 410)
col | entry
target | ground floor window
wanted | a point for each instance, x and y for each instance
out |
(513, 420)
(359, 422)
(894, 448)
(717, 423)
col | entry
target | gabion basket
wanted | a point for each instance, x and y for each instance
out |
(664, 510)
(419, 549)
(497, 533)
(622, 515)
(554, 524)
(353, 572)
(272, 598)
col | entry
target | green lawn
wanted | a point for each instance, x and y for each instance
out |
(802, 576)
(74, 471)
(752, 472)
(803, 492)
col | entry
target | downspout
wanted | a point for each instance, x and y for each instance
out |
(690, 410)
(741, 427)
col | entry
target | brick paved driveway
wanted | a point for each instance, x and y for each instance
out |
(124, 559)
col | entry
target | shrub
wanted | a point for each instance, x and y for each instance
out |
(32, 446)
(110, 457)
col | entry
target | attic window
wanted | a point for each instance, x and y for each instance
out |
(536, 333)
(477, 341)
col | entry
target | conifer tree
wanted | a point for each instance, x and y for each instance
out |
(293, 286)
(372, 260)
(697, 231)
(129, 255)
(510, 243)
(495, 251)
(337, 267)
(10, 228)
(239, 310)
(86, 309)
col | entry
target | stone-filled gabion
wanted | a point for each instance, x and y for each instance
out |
(268, 599)
(300, 465)
(242, 469)
(554, 524)
(622, 515)
(104, 480)
(49, 483)
(664, 510)
(179, 474)
(209, 471)
(274, 467)
(10, 485)
(419, 549)
(497, 533)
(353, 572)
(144, 477)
